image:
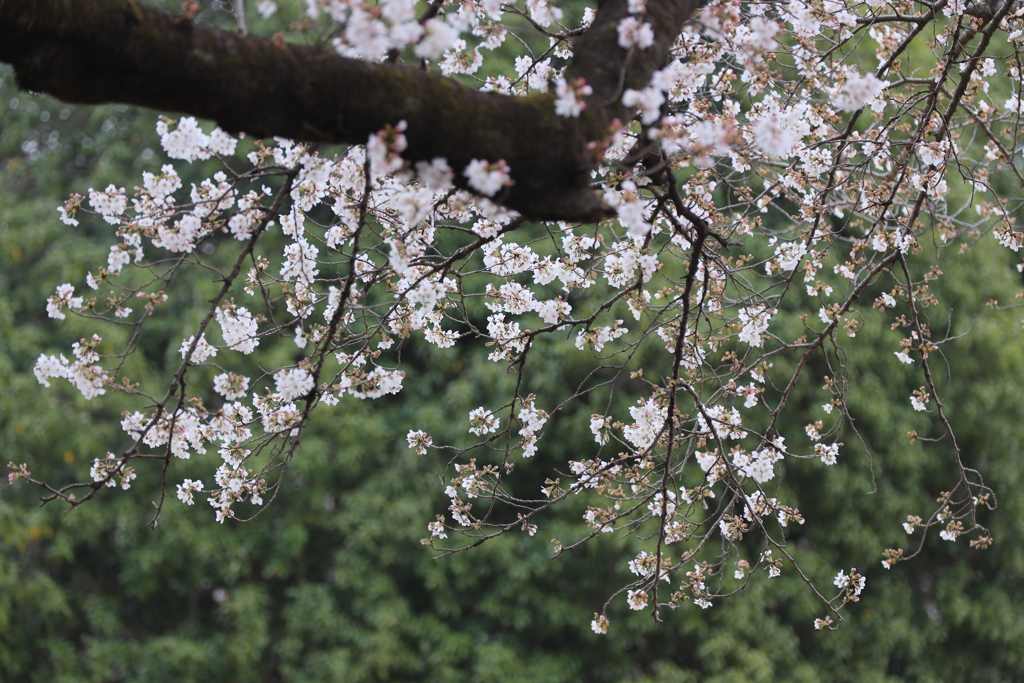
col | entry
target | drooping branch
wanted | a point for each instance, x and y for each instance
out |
(100, 51)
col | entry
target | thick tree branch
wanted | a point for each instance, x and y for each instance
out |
(609, 69)
(98, 51)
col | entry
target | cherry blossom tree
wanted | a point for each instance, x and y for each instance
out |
(707, 200)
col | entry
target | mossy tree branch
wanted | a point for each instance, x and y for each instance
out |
(100, 51)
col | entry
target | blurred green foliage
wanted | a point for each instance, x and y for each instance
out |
(330, 582)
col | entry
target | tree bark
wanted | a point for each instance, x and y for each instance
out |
(100, 51)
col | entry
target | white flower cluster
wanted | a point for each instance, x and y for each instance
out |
(112, 471)
(853, 582)
(632, 32)
(598, 337)
(110, 203)
(64, 298)
(487, 178)
(202, 352)
(185, 140)
(648, 422)
(238, 326)
(236, 484)
(755, 323)
(726, 423)
(231, 386)
(858, 90)
(759, 464)
(293, 384)
(483, 421)
(419, 441)
(532, 420)
(90, 380)
(569, 100)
